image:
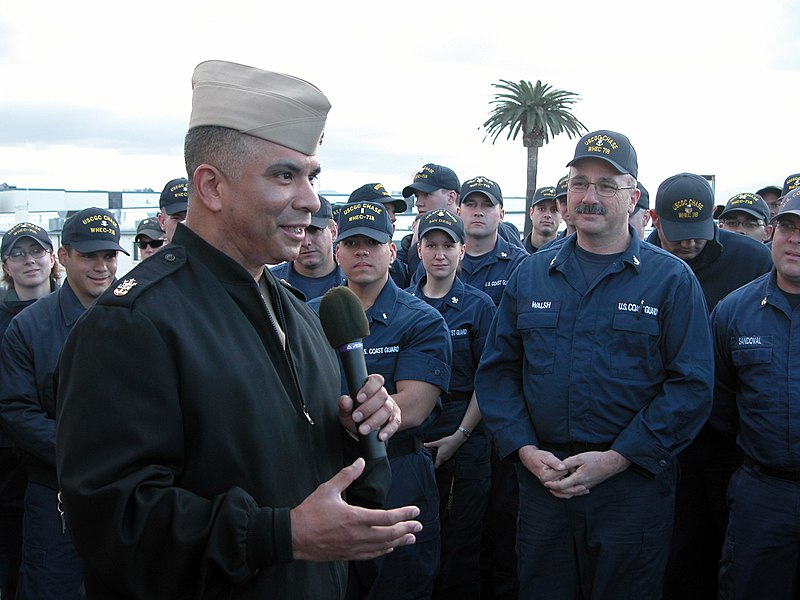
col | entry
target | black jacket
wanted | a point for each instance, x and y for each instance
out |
(10, 306)
(727, 262)
(28, 358)
(186, 433)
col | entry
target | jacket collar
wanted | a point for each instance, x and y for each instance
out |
(632, 255)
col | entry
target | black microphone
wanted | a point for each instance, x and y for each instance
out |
(345, 325)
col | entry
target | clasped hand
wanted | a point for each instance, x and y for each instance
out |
(575, 475)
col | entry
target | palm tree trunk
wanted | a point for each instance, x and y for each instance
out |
(533, 165)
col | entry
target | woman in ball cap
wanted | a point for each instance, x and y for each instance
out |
(30, 271)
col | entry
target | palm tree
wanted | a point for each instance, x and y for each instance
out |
(540, 112)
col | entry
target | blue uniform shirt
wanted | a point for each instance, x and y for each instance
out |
(312, 287)
(407, 340)
(626, 362)
(468, 313)
(757, 380)
(489, 272)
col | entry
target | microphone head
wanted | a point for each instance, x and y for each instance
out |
(342, 316)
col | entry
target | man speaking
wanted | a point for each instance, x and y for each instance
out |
(210, 460)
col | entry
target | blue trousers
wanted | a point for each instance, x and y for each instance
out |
(762, 543)
(498, 543)
(13, 481)
(609, 544)
(701, 516)
(409, 572)
(463, 494)
(51, 569)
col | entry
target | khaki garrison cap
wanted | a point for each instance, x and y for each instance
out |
(278, 108)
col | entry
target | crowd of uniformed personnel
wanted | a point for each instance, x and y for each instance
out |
(586, 412)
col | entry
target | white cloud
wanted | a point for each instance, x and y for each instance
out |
(704, 87)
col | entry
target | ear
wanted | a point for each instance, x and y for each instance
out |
(393, 252)
(635, 194)
(654, 217)
(63, 256)
(452, 199)
(502, 212)
(210, 186)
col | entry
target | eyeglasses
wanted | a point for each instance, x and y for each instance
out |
(604, 189)
(746, 224)
(17, 255)
(786, 227)
(152, 243)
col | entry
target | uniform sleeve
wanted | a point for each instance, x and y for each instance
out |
(120, 453)
(671, 420)
(427, 352)
(498, 381)
(724, 413)
(24, 418)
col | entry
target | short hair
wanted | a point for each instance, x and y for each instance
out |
(224, 148)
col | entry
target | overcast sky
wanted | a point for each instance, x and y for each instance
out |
(96, 95)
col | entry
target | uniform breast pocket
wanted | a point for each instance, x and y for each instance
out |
(538, 330)
(751, 357)
(754, 367)
(383, 364)
(461, 345)
(633, 346)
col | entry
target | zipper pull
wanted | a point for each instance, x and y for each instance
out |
(60, 507)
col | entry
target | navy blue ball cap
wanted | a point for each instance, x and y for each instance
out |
(561, 187)
(791, 205)
(543, 193)
(610, 146)
(685, 207)
(432, 177)
(23, 230)
(644, 197)
(481, 185)
(792, 182)
(149, 227)
(365, 218)
(441, 220)
(322, 218)
(175, 196)
(376, 192)
(774, 189)
(92, 230)
(752, 204)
